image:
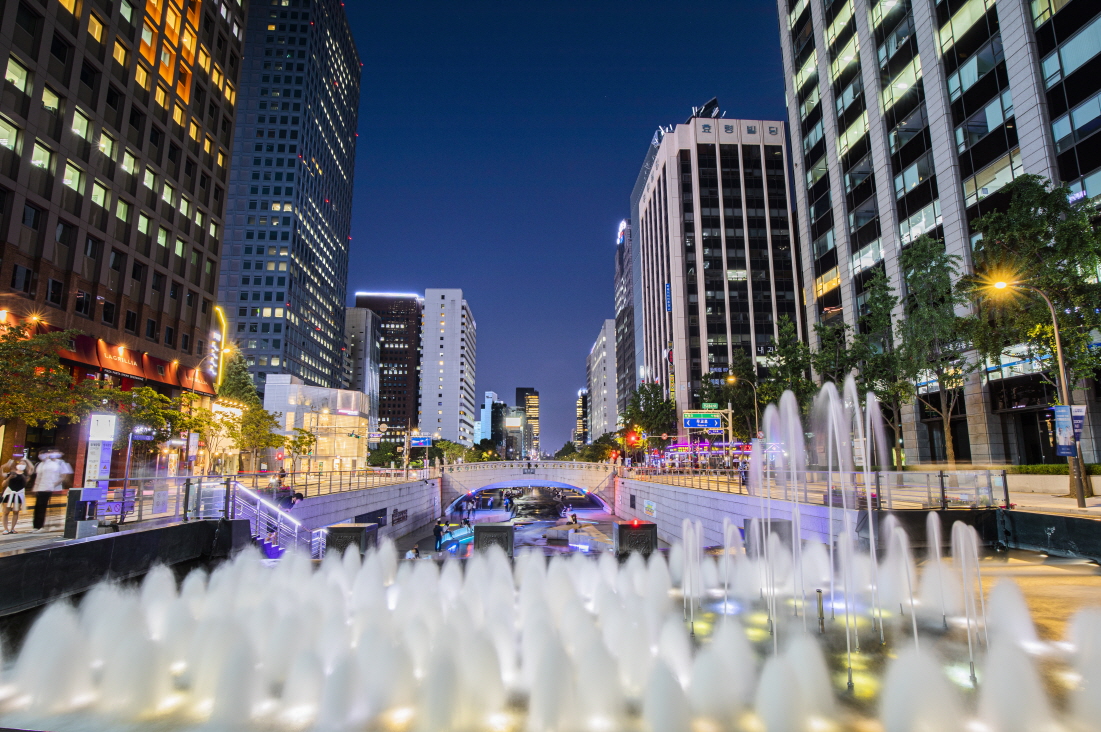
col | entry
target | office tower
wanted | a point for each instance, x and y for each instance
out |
(516, 434)
(486, 421)
(115, 141)
(399, 360)
(626, 376)
(601, 373)
(911, 118)
(715, 247)
(449, 348)
(581, 425)
(363, 350)
(528, 399)
(290, 190)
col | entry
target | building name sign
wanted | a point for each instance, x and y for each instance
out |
(398, 517)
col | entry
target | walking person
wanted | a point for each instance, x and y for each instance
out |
(49, 478)
(15, 496)
(437, 533)
(285, 504)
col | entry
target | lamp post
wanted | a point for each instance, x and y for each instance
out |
(756, 414)
(1076, 474)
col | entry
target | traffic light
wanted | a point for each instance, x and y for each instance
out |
(632, 439)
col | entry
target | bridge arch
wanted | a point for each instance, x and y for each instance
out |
(595, 478)
(452, 505)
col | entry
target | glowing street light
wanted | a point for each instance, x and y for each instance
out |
(1061, 372)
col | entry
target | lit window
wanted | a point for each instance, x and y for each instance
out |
(41, 157)
(82, 126)
(95, 28)
(9, 134)
(100, 195)
(178, 115)
(69, 5)
(162, 96)
(129, 162)
(17, 75)
(122, 211)
(73, 178)
(168, 195)
(141, 76)
(120, 53)
(107, 145)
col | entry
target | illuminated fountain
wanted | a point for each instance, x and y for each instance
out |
(757, 635)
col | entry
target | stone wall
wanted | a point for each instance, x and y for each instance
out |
(409, 506)
(673, 504)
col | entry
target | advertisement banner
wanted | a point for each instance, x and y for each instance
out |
(1078, 420)
(1064, 432)
(650, 509)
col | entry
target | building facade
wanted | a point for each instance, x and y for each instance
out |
(581, 421)
(516, 434)
(716, 249)
(290, 191)
(115, 139)
(449, 348)
(399, 359)
(363, 351)
(626, 375)
(527, 398)
(601, 372)
(911, 119)
(338, 418)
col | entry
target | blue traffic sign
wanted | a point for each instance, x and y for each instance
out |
(420, 442)
(697, 423)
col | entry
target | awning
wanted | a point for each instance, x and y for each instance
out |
(159, 370)
(120, 360)
(84, 351)
(196, 380)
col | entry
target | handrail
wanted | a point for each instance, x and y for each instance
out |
(534, 464)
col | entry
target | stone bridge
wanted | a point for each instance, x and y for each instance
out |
(471, 478)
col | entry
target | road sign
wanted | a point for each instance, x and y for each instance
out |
(702, 420)
(374, 435)
(716, 432)
(420, 442)
(710, 405)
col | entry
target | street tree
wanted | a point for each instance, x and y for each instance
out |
(300, 443)
(35, 387)
(600, 449)
(145, 410)
(567, 452)
(836, 356)
(737, 395)
(237, 382)
(254, 431)
(653, 411)
(1043, 240)
(383, 455)
(789, 365)
(877, 351)
(935, 339)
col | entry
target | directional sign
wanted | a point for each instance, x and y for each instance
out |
(420, 442)
(716, 432)
(702, 420)
(710, 405)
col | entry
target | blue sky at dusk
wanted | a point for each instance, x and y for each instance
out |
(498, 145)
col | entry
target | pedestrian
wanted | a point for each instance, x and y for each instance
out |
(49, 479)
(18, 459)
(414, 553)
(473, 507)
(437, 533)
(282, 476)
(285, 504)
(15, 496)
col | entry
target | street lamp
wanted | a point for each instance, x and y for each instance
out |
(1061, 378)
(732, 379)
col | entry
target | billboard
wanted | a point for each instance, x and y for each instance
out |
(514, 423)
(420, 442)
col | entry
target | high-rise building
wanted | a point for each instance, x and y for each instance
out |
(290, 190)
(601, 373)
(449, 347)
(626, 375)
(399, 360)
(716, 249)
(516, 434)
(115, 142)
(527, 398)
(581, 425)
(363, 349)
(911, 118)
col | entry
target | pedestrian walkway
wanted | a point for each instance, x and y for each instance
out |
(25, 536)
(1048, 503)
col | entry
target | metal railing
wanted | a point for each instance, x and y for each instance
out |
(528, 465)
(888, 490)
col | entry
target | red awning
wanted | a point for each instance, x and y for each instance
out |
(120, 360)
(84, 351)
(159, 370)
(196, 380)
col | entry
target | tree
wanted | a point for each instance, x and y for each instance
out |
(836, 357)
(788, 367)
(567, 452)
(1049, 243)
(881, 363)
(383, 455)
(147, 410)
(301, 442)
(211, 426)
(600, 449)
(484, 451)
(450, 451)
(255, 431)
(935, 341)
(34, 386)
(739, 395)
(653, 411)
(237, 383)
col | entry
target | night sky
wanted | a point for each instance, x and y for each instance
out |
(498, 146)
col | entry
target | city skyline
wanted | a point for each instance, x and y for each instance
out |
(567, 124)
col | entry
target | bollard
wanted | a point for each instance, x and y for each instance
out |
(225, 507)
(821, 614)
(186, 498)
(943, 495)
